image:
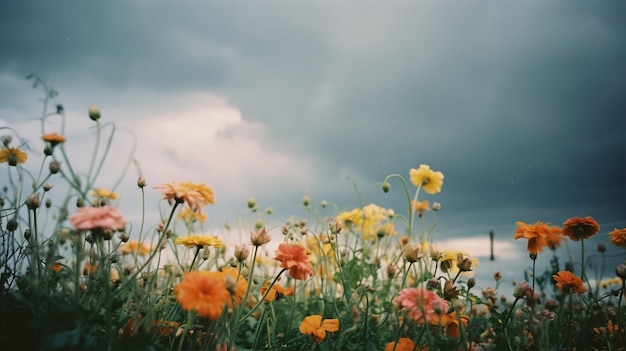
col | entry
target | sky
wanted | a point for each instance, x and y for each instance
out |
(521, 104)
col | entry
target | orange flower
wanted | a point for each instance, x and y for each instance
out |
(404, 344)
(538, 235)
(204, 292)
(450, 323)
(53, 138)
(294, 258)
(568, 282)
(618, 237)
(276, 291)
(236, 283)
(195, 195)
(163, 328)
(134, 246)
(13, 155)
(420, 207)
(580, 228)
(313, 325)
(428, 179)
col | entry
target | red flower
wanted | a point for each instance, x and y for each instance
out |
(294, 258)
(580, 228)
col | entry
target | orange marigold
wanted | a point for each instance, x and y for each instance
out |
(538, 235)
(204, 292)
(294, 258)
(580, 228)
(618, 237)
(314, 326)
(53, 138)
(276, 291)
(568, 282)
(404, 344)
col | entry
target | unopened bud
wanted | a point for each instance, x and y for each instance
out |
(601, 248)
(47, 186)
(47, 150)
(33, 202)
(324, 204)
(436, 206)
(620, 271)
(391, 271)
(48, 203)
(12, 160)
(521, 290)
(80, 202)
(241, 252)
(141, 182)
(386, 187)
(12, 224)
(251, 203)
(412, 253)
(471, 282)
(306, 200)
(27, 234)
(94, 112)
(124, 237)
(261, 237)
(206, 253)
(54, 167)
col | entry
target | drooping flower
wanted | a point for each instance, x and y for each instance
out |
(539, 235)
(97, 218)
(204, 292)
(567, 282)
(134, 246)
(104, 194)
(618, 237)
(421, 304)
(404, 344)
(276, 291)
(200, 241)
(13, 155)
(577, 228)
(314, 326)
(294, 258)
(53, 138)
(428, 179)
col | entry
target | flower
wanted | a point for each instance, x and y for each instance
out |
(104, 194)
(200, 241)
(420, 207)
(261, 237)
(97, 218)
(538, 235)
(313, 325)
(421, 304)
(404, 344)
(568, 282)
(204, 292)
(239, 286)
(580, 228)
(134, 246)
(294, 258)
(188, 215)
(367, 220)
(618, 237)
(195, 195)
(276, 291)
(450, 323)
(53, 138)
(163, 328)
(13, 155)
(428, 179)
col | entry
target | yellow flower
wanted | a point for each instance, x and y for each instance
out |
(134, 246)
(420, 207)
(313, 325)
(13, 155)
(200, 241)
(428, 179)
(189, 215)
(104, 194)
(367, 220)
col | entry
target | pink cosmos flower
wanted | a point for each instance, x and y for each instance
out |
(102, 218)
(421, 304)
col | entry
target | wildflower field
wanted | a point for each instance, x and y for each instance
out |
(76, 275)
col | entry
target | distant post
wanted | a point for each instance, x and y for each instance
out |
(491, 244)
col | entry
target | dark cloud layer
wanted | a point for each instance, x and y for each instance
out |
(521, 104)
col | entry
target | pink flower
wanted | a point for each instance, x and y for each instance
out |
(421, 304)
(101, 218)
(294, 258)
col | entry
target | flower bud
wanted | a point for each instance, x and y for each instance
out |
(386, 187)
(54, 167)
(33, 202)
(47, 150)
(601, 248)
(141, 182)
(471, 282)
(80, 202)
(521, 290)
(124, 237)
(436, 206)
(258, 238)
(94, 112)
(206, 253)
(449, 290)
(27, 234)
(336, 226)
(412, 253)
(241, 252)
(464, 263)
(324, 204)
(47, 186)
(12, 160)
(251, 203)
(391, 271)
(48, 203)
(12, 224)
(306, 200)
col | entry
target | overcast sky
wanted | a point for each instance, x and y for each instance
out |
(521, 104)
